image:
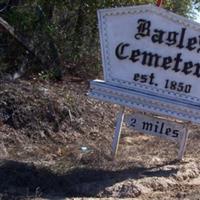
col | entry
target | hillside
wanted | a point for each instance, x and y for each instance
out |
(55, 143)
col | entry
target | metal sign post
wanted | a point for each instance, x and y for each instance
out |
(117, 134)
(183, 144)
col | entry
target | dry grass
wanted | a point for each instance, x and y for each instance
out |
(48, 163)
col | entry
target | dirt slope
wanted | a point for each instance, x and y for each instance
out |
(55, 143)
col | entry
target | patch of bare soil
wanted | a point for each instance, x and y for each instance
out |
(55, 143)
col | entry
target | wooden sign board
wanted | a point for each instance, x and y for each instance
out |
(156, 126)
(151, 61)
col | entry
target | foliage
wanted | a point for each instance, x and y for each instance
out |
(63, 34)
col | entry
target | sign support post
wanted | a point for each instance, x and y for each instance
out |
(183, 144)
(117, 134)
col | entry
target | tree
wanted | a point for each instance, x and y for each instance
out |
(64, 34)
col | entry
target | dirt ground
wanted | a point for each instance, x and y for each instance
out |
(55, 143)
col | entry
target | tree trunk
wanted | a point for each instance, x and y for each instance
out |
(77, 41)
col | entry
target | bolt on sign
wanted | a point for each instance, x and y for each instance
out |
(151, 62)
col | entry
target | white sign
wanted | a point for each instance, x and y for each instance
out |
(149, 49)
(151, 61)
(156, 126)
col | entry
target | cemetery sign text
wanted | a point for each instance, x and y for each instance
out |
(151, 61)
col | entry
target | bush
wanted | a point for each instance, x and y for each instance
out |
(63, 35)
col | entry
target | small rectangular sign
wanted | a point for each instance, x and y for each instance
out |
(156, 126)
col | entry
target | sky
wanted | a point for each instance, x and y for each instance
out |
(197, 16)
(198, 19)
